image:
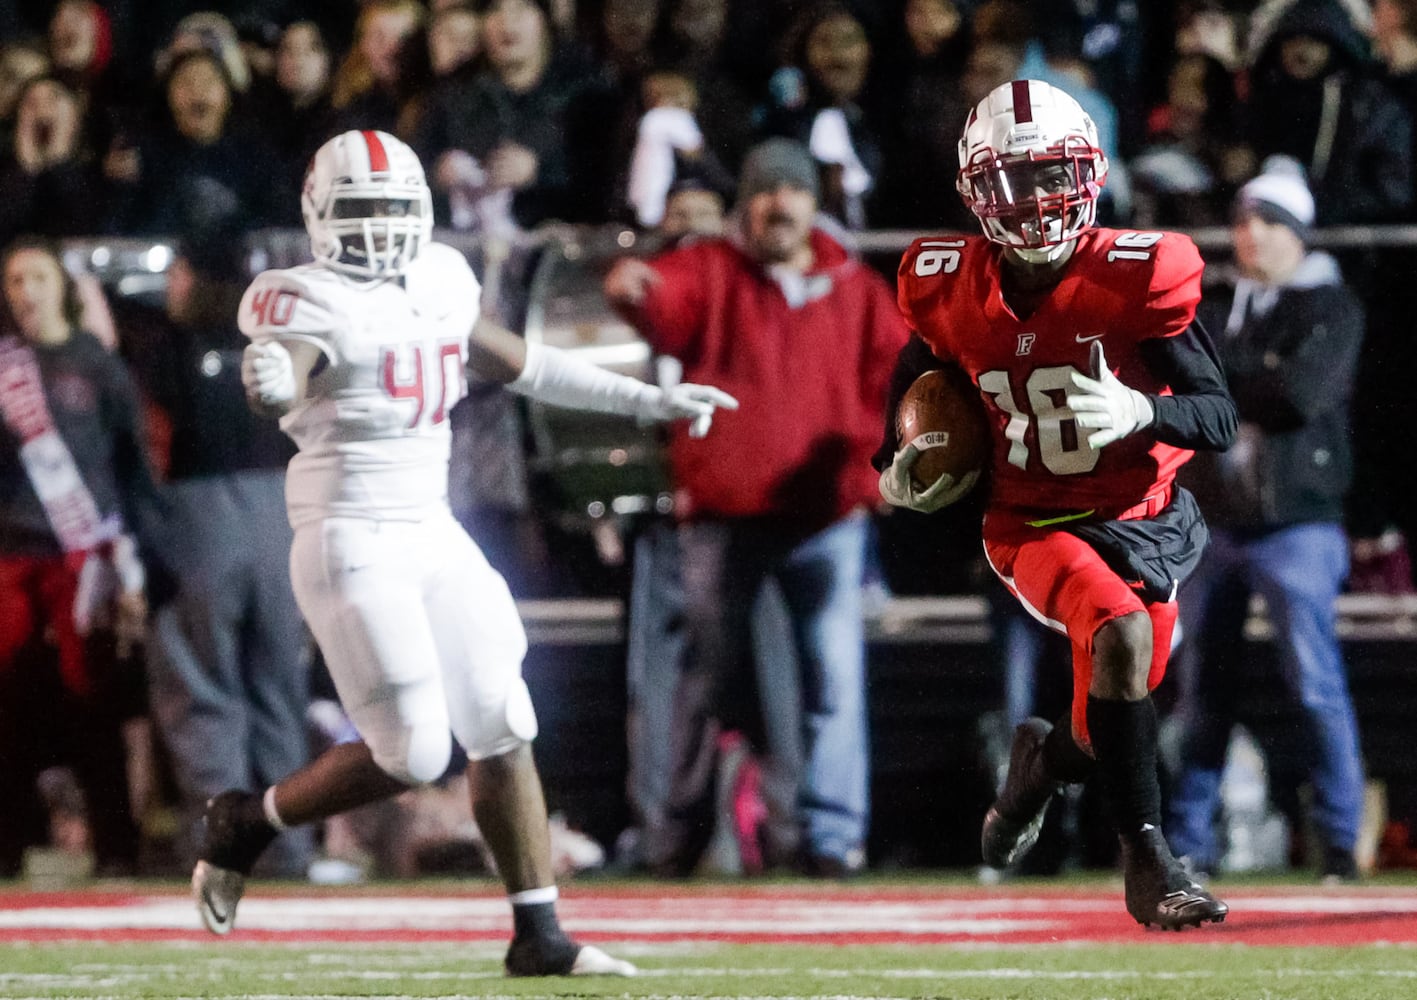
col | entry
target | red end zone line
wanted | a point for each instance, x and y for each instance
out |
(1012, 916)
(1310, 932)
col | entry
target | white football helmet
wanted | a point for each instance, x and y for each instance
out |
(1030, 168)
(366, 204)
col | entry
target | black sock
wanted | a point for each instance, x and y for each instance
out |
(536, 920)
(1062, 757)
(1124, 740)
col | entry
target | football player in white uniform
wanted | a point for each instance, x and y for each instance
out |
(363, 354)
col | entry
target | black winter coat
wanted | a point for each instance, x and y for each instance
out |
(1291, 373)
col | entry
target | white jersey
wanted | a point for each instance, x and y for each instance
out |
(373, 429)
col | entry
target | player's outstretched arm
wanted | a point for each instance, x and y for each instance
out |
(553, 376)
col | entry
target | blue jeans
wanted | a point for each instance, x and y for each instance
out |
(1298, 571)
(724, 564)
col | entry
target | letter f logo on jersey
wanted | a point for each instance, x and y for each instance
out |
(1025, 344)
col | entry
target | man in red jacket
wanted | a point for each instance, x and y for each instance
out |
(803, 334)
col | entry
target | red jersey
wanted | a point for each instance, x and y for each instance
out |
(1120, 287)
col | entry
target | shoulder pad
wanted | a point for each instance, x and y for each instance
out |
(442, 284)
(928, 268)
(1163, 274)
(293, 304)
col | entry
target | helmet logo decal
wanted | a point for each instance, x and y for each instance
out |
(1023, 103)
(378, 158)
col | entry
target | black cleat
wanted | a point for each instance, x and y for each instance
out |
(1012, 825)
(236, 834)
(529, 956)
(1159, 890)
(1339, 867)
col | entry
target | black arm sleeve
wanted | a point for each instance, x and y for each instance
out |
(914, 360)
(1200, 414)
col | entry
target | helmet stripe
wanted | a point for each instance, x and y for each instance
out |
(1023, 103)
(378, 158)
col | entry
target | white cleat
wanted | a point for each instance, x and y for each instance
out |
(217, 891)
(591, 961)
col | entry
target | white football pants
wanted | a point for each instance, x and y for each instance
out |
(421, 637)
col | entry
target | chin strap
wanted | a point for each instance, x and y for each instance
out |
(1044, 255)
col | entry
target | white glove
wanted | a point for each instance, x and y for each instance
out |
(899, 490)
(267, 374)
(686, 401)
(1106, 404)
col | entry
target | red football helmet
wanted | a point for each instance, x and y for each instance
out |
(1030, 168)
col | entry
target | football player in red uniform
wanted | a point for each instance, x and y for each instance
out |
(1098, 384)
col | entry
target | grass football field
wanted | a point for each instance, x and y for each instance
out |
(925, 937)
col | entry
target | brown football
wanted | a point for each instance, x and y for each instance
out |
(944, 408)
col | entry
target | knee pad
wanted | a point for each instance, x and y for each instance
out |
(499, 725)
(416, 756)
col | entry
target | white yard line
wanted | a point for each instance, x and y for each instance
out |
(802, 917)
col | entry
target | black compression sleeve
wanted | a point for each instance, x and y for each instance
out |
(1200, 412)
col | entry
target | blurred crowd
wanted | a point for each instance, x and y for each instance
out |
(130, 118)
(194, 122)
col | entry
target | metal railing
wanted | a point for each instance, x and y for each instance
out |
(957, 619)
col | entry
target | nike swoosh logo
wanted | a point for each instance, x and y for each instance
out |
(1083, 340)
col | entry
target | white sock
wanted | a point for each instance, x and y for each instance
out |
(268, 806)
(546, 894)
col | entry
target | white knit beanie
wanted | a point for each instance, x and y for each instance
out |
(1280, 194)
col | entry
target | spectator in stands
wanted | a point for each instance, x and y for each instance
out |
(210, 32)
(733, 309)
(229, 657)
(669, 148)
(193, 163)
(627, 35)
(76, 490)
(1289, 334)
(918, 144)
(508, 141)
(1313, 97)
(300, 118)
(20, 62)
(763, 817)
(1110, 49)
(1056, 56)
(380, 76)
(693, 42)
(1185, 173)
(817, 99)
(1395, 42)
(623, 49)
(81, 49)
(51, 178)
(454, 39)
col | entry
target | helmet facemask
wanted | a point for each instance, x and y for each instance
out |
(378, 236)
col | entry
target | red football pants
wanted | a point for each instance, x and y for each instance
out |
(1062, 581)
